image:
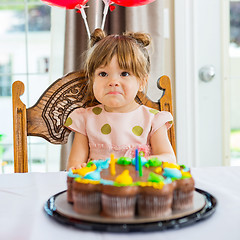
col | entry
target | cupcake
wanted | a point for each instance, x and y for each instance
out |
(119, 199)
(70, 177)
(86, 196)
(183, 194)
(87, 190)
(184, 189)
(155, 197)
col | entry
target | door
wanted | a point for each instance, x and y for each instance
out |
(202, 91)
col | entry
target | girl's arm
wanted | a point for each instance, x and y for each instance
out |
(161, 146)
(79, 152)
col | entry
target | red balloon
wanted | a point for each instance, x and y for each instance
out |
(132, 3)
(68, 4)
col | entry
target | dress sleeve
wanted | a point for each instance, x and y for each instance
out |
(160, 119)
(76, 121)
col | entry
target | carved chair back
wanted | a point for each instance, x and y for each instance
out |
(46, 118)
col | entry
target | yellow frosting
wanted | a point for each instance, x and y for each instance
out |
(170, 165)
(158, 170)
(152, 184)
(124, 178)
(86, 181)
(186, 174)
(83, 171)
(75, 171)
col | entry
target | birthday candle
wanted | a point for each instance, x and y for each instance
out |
(112, 164)
(136, 160)
(140, 167)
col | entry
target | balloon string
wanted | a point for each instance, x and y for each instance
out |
(85, 22)
(105, 13)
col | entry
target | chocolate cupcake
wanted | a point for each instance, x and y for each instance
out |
(155, 197)
(119, 200)
(70, 177)
(86, 196)
(184, 189)
(183, 194)
(87, 190)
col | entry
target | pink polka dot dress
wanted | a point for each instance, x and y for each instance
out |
(117, 133)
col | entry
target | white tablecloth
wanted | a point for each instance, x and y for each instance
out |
(22, 197)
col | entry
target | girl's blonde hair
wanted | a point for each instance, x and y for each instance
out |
(130, 49)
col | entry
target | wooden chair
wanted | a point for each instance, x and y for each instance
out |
(46, 118)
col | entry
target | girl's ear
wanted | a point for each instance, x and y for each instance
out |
(143, 84)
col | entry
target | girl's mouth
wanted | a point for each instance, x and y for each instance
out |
(114, 92)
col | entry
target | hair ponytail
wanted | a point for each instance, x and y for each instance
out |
(97, 35)
(143, 39)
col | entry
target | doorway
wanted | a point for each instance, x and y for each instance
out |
(207, 110)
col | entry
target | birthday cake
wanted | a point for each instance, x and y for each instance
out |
(124, 187)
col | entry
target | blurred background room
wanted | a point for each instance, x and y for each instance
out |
(201, 55)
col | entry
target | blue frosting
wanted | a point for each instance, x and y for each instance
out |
(186, 169)
(106, 182)
(71, 174)
(172, 173)
(143, 160)
(167, 180)
(102, 164)
(95, 175)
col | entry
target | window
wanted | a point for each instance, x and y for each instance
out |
(235, 22)
(234, 54)
(27, 54)
(5, 77)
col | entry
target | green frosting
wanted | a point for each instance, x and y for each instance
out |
(153, 177)
(124, 161)
(89, 164)
(153, 162)
(183, 166)
(185, 177)
(137, 183)
(116, 184)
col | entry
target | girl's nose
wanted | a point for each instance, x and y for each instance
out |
(113, 81)
(113, 84)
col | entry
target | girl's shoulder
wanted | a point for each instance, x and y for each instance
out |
(154, 112)
(89, 110)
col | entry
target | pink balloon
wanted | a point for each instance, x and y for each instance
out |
(132, 3)
(68, 4)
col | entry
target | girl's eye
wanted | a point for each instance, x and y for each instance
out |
(125, 74)
(102, 74)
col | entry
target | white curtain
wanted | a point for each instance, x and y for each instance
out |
(149, 19)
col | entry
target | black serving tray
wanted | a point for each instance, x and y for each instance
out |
(174, 223)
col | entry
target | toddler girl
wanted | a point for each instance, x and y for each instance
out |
(118, 67)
